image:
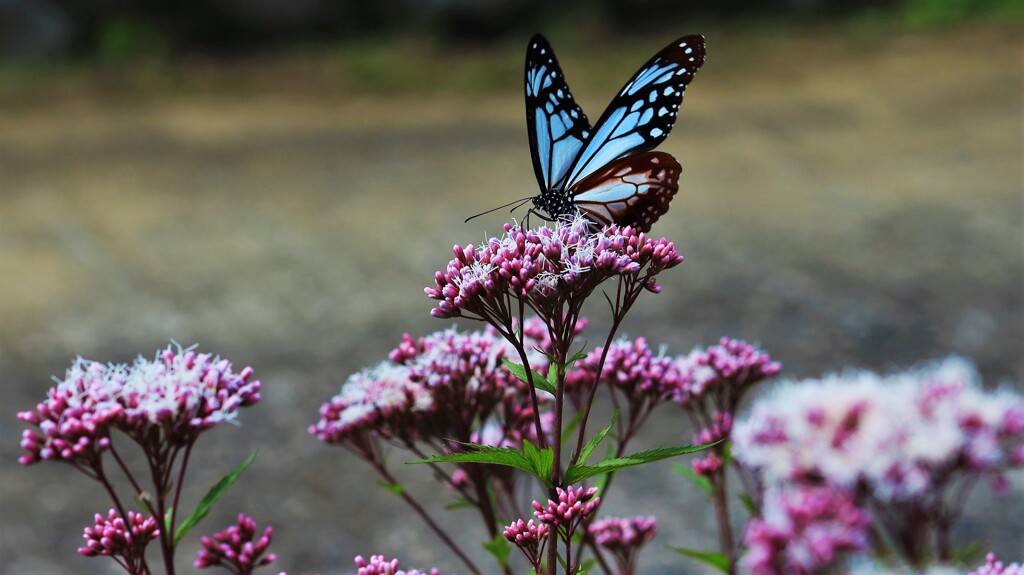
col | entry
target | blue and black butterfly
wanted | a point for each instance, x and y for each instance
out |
(607, 173)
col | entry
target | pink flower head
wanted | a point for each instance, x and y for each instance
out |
(530, 538)
(234, 548)
(170, 399)
(125, 541)
(544, 267)
(381, 400)
(993, 566)
(448, 384)
(901, 436)
(574, 505)
(622, 533)
(729, 368)
(804, 530)
(379, 565)
(644, 377)
(74, 422)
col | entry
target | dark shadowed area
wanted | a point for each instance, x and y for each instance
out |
(851, 197)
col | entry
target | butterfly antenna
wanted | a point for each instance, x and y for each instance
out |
(519, 202)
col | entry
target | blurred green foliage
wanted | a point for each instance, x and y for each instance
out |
(930, 13)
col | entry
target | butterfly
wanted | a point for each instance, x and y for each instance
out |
(607, 172)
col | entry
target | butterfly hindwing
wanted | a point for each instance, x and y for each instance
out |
(633, 191)
(556, 124)
(644, 111)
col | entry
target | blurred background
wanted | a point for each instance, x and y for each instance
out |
(277, 180)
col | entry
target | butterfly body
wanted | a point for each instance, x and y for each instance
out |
(607, 172)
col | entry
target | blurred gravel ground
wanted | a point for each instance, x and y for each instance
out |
(850, 203)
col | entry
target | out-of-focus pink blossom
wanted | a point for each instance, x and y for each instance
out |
(803, 531)
(624, 538)
(899, 436)
(993, 566)
(237, 548)
(379, 565)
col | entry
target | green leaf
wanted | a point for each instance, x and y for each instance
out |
(586, 566)
(596, 440)
(539, 381)
(748, 504)
(461, 503)
(571, 427)
(206, 503)
(507, 456)
(700, 481)
(499, 548)
(577, 473)
(713, 558)
(395, 488)
(542, 459)
(579, 355)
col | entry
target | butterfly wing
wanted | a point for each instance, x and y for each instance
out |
(555, 122)
(644, 111)
(633, 191)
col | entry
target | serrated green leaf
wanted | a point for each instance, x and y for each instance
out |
(700, 481)
(596, 440)
(712, 558)
(499, 548)
(541, 459)
(395, 488)
(577, 357)
(507, 456)
(577, 473)
(206, 503)
(539, 381)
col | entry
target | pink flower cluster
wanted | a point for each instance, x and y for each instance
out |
(544, 266)
(234, 548)
(170, 399)
(804, 531)
(993, 566)
(729, 368)
(125, 541)
(439, 386)
(901, 437)
(530, 538)
(574, 504)
(379, 565)
(644, 377)
(621, 533)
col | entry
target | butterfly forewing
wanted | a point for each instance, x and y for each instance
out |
(633, 191)
(644, 111)
(556, 124)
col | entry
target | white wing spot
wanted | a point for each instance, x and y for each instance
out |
(662, 111)
(683, 45)
(688, 50)
(669, 91)
(655, 132)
